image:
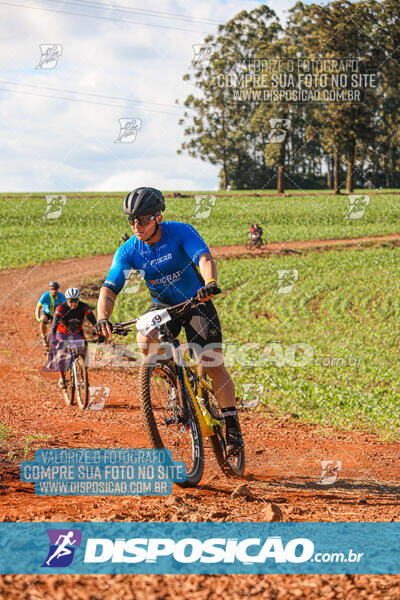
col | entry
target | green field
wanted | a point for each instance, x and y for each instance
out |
(91, 223)
(345, 306)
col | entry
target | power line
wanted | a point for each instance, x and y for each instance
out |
(66, 12)
(127, 100)
(140, 11)
(26, 93)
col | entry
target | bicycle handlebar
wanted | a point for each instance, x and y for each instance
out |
(122, 328)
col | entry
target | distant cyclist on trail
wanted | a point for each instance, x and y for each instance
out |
(176, 265)
(255, 231)
(254, 236)
(46, 306)
(67, 326)
(258, 230)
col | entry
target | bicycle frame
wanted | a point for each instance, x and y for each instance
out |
(206, 421)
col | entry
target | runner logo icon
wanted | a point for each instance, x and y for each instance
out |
(63, 543)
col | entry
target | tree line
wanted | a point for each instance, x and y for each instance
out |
(264, 141)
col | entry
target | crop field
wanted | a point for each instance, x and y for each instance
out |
(324, 352)
(91, 223)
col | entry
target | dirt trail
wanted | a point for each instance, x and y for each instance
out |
(283, 465)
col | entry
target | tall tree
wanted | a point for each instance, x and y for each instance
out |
(218, 123)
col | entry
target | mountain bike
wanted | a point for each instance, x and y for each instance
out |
(76, 377)
(177, 402)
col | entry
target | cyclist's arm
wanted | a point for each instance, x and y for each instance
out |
(113, 284)
(105, 307)
(37, 311)
(90, 317)
(54, 324)
(207, 268)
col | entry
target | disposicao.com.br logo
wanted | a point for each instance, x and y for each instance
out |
(63, 543)
(248, 551)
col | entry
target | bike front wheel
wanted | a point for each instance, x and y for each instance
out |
(69, 390)
(81, 382)
(165, 420)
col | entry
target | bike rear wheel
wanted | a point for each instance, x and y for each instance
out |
(81, 382)
(232, 466)
(165, 422)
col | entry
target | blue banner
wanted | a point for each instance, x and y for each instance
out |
(208, 548)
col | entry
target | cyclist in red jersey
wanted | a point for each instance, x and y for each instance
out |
(67, 326)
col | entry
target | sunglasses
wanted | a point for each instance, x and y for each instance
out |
(141, 220)
(73, 301)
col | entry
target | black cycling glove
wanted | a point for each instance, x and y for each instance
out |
(100, 325)
(207, 291)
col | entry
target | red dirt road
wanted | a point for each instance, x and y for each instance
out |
(283, 466)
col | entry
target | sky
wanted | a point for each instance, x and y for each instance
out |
(61, 126)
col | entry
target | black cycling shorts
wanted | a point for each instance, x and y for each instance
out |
(201, 324)
(45, 317)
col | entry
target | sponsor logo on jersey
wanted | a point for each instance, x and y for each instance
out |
(161, 259)
(167, 279)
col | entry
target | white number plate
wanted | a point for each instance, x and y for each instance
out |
(152, 319)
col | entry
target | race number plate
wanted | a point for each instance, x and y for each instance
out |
(152, 319)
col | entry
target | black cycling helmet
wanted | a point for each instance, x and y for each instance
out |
(54, 284)
(144, 201)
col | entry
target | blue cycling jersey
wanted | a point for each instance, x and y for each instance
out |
(169, 267)
(49, 303)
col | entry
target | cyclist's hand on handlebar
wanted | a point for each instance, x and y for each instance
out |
(103, 327)
(208, 291)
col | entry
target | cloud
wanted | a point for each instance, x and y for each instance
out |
(51, 140)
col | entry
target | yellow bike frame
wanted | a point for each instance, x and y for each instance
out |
(207, 423)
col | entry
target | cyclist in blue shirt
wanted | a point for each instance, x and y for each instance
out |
(46, 306)
(176, 264)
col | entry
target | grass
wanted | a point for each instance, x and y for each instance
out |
(16, 447)
(91, 223)
(344, 312)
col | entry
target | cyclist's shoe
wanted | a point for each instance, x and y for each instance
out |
(234, 441)
(61, 383)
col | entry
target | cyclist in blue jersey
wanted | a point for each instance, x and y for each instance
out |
(176, 264)
(46, 306)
